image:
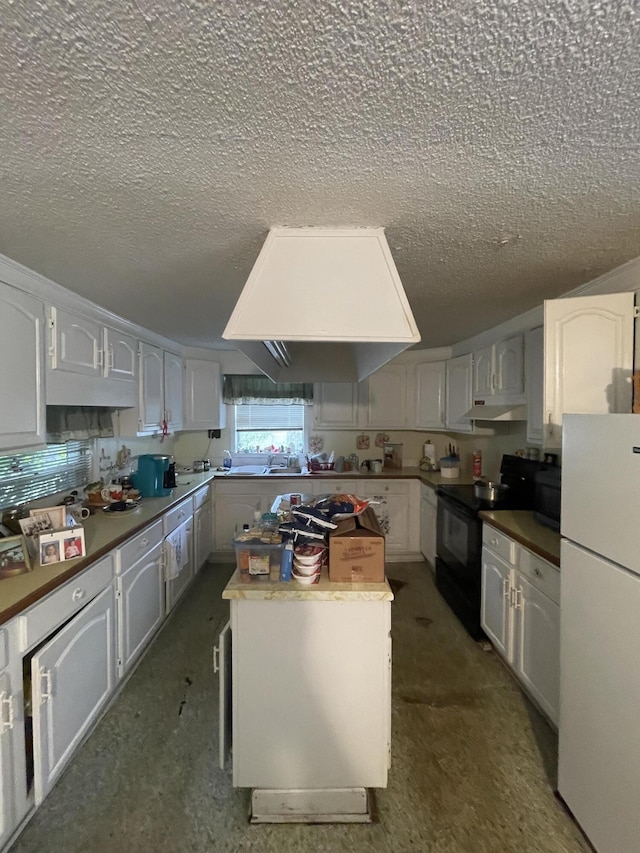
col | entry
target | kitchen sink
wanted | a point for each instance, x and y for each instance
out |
(284, 470)
(244, 470)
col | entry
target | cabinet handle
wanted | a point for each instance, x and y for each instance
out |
(45, 675)
(517, 600)
(506, 587)
(111, 358)
(6, 702)
(216, 659)
(78, 594)
(144, 543)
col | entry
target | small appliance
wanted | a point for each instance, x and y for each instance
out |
(156, 475)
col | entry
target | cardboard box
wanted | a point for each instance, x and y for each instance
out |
(356, 550)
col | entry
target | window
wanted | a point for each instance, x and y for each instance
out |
(35, 474)
(269, 429)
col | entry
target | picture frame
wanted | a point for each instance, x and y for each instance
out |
(14, 556)
(57, 546)
(56, 515)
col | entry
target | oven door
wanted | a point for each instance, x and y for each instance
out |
(459, 540)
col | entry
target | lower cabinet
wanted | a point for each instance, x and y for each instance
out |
(72, 676)
(428, 523)
(520, 613)
(140, 591)
(13, 778)
(396, 503)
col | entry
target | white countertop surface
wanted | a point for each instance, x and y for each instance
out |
(326, 590)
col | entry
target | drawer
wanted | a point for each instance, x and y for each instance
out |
(383, 487)
(176, 516)
(499, 543)
(542, 574)
(43, 618)
(138, 545)
(201, 497)
(332, 487)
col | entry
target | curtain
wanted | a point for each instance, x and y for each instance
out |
(254, 390)
(71, 423)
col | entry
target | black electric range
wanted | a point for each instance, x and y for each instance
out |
(459, 537)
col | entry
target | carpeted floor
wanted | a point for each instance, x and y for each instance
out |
(473, 763)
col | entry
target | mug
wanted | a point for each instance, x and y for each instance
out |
(77, 513)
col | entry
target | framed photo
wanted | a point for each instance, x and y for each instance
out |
(14, 557)
(49, 548)
(56, 546)
(53, 516)
(73, 543)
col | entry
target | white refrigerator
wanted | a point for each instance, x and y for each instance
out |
(599, 740)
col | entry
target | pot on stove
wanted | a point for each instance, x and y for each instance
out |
(490, 490)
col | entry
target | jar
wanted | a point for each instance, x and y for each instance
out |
(450, 467)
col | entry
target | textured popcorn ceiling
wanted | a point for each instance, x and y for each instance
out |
(147, 146)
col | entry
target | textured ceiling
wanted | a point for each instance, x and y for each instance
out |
(147, 146)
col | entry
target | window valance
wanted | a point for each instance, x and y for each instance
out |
(251, 389)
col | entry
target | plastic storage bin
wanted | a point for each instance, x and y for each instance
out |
(450, 467)
(257, 560)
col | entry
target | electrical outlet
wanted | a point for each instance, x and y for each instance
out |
(213, 433)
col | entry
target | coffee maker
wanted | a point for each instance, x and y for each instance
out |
(156, 475)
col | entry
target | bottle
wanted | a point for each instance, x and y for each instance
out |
(287, 562)
(477, 464)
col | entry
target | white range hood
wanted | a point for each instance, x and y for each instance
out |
(497, 412)
(332, 297)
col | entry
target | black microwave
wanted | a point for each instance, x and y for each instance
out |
(546, 506)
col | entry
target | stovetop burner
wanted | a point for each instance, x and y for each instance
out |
(465, 495)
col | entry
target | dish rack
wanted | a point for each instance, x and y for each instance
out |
(313, 465)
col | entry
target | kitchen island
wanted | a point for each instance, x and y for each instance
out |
(309, 696)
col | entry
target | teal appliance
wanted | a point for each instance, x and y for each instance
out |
(155, 477)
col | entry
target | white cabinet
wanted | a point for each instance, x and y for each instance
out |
(72, 676)
(459, 381)
(335, 405)
(141, 593)
(428, 523)
(588, 358)
(160, 401)
(89, 363)
(520, 614)
(203, 523)
(203, 406)
(386, 398)
(334, 729)
(430, 395)
(498, 369)
(396, 504)
(238, 500)
(13, 783)
(177, 585)
(534, 383)
(22, 381)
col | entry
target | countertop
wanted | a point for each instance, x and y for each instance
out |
(102, 533)
(326, 590)
(522, 526)
(429, 478)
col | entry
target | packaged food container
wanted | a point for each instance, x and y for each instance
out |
(450, 467)
(256, 560)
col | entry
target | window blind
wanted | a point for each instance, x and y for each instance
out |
(259, 417)
(38, 473)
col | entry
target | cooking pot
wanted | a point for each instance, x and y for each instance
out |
(491, 491)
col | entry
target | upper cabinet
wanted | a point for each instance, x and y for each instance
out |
(588, 358)
(534, 383)
(498, 369)
(335, 405)
(22, 381)
(89, 364)
(173, 404)
(430, 395)
(160, 405)
(459, 384)
(203, 406)
(386, 399)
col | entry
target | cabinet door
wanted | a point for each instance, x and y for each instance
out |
(430, 395)
(335, 405)
(458, 395)
(173, 390)
(203, 406)
(428, 526)
(495, 609)
(483, 373)
(121, 360)
(13, 784)
(151, 388)
(385, 403)
(536, 657)
(177, 586)
(588, 358)
(222, 665)
(204, 535)
(77, 344)
(396, 512)
(508, 361)
(21, 331)
(141, 605)
(232, 511)
(533, 384)
(73, 675)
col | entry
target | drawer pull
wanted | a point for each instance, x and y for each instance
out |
(537, 572)
(494, 542)
(78, 594)
(6, 723)
(144, 543)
